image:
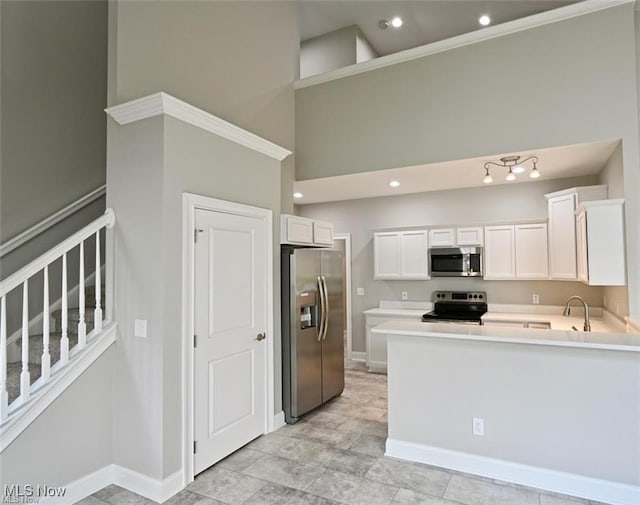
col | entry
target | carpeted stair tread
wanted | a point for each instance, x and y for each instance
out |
(36, 345)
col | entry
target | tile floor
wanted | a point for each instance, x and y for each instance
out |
(335, 456)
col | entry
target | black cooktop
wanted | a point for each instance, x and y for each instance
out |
(464, 306)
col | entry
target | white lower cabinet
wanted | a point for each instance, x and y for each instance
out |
(376, 343)
(516, 252)
(600, 243)
(401, 255)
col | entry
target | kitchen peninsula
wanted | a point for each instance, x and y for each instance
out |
(558, 410)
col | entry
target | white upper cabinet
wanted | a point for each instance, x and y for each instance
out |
(296, 230)
(401, 255)
(442, 237)
(469, 236)
(531, 251)
(499, 252)
(600, 243)
(516, 252)
(451, 237)
(562, 228)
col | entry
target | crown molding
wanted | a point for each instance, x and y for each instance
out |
(481, 35)
(162, 103)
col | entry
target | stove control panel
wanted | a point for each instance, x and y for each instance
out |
(460, 296)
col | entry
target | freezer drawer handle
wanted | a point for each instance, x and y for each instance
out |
(260, 336)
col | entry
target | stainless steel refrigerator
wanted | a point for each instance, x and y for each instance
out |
(312, 328)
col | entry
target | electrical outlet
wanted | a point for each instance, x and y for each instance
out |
(536, 298)
(478, 426)
(140, 328)
(405, 295)
(360, 291)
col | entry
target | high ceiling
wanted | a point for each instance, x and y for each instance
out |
(425, 21)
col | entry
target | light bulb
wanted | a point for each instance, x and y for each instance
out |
(535, 173)
(511, 176)
(297, 194)
(487, 179)
(394, 184)
(396, 22)
(518, 169)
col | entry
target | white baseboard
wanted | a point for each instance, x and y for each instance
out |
(358, 356)
(542, 478)
(83, 487)
(278, 420)
(154, 489)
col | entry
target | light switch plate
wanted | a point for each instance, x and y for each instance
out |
(140, 328)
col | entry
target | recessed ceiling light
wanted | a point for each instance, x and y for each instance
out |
(484, 20)
(396, 22)
(394, 184)
(297, 194)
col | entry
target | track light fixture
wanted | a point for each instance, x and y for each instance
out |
(514, 165)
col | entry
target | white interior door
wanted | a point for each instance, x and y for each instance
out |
(230, 322)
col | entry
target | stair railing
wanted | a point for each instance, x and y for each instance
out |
(21, 278)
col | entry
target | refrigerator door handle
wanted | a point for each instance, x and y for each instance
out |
(322, 309)
(326, 308)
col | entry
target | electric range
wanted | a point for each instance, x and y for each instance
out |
(461, 307)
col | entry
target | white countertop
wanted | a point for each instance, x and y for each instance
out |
(634, 322)
(557, 321)
(560, 338)
(400, 309)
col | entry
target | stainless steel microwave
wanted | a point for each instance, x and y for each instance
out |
(455, 262)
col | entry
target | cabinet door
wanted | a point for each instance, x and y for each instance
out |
(322, 233)
(562, 237)
(531, 251)
(469, 236)
(296, 230)
(414, 255)
(499, 252)
(581, 247)
(444, 237)
(386, 255)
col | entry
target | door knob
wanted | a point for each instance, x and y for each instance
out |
(260, 336)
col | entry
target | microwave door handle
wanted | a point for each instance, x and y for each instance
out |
(321, 292)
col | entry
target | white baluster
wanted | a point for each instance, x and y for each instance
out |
(46, 357)
(97, 313)
(25, 376)
(4, 394)
(64, 341)
(82, 326)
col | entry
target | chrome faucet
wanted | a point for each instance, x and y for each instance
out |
(567, 310)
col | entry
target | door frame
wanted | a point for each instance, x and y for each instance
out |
(347, 259)
(191, 202)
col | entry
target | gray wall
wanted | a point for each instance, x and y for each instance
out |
(564, 83)
(238, 61)
(72, 438)
(615, 298)
(328, 52)
(489, 204)
(53, 92)
(580, 415)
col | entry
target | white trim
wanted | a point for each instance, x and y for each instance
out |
(191, 202)
(278, 421)
(22, 415)
(154, 489)
(542, 478)
(52, 220)
(347, 251)
(107, 220)
(162, 103)
(84, 486)
(358, 356)
(488, 33)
